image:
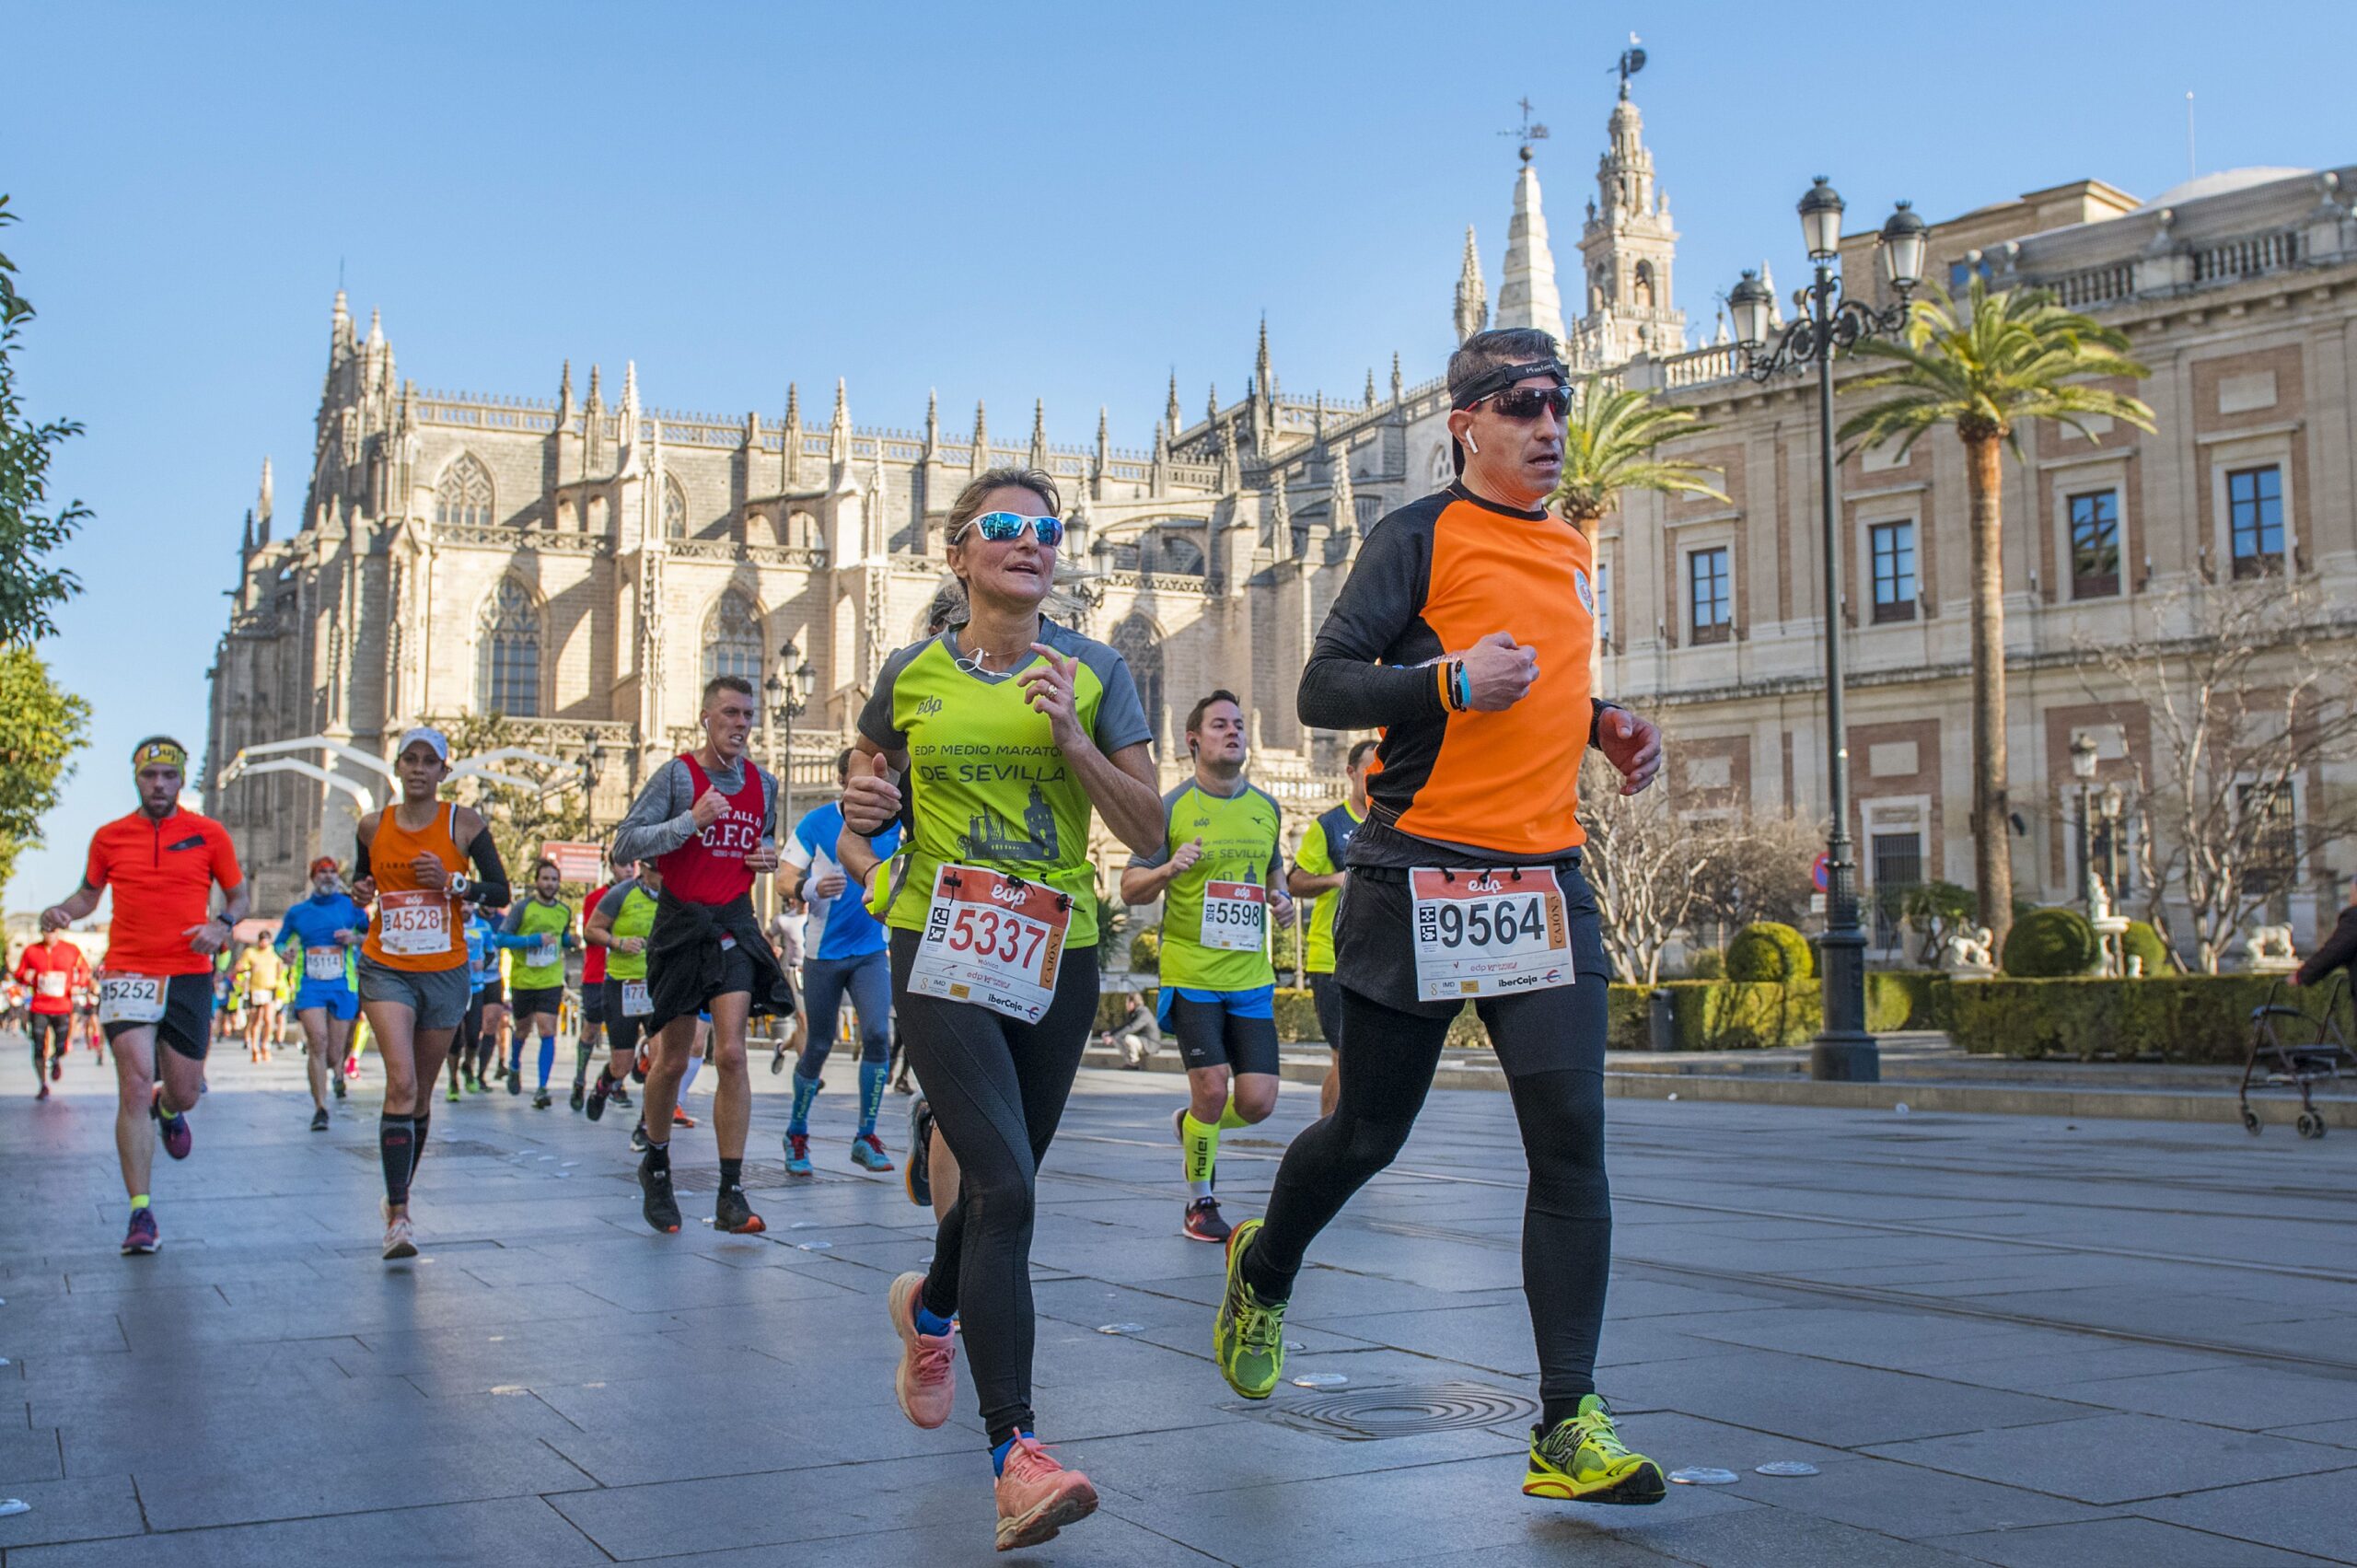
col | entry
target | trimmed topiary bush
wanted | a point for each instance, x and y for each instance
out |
(1706, 963)
(2140, 941)
(2050, 944)
(1768, 951)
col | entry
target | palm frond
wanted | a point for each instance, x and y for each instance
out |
(1612, 443)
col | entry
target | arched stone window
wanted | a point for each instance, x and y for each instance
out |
(463, 496)
(1139, 641)
(732, 639)
(675, 509)
(1641, 288)
(509, 682)
(1176, 555)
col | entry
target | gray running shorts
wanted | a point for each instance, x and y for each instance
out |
(438, 997)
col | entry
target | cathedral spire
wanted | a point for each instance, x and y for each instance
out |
(932, 419)
(564, 396)
(980, 456)
(262, 503)
(339, 328)
(1170, 413)
(1528, 297)
(1472, 294)
(597, 402)
(789, 459)
(1263, 376)
(839, 429)
(1039, 433)
(1211, 404)
(1398, 385)
(1370, 386)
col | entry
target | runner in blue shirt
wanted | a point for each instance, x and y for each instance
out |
(843, 952)
(325, 925)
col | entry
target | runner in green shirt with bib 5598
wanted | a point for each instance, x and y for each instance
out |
(1217, 875)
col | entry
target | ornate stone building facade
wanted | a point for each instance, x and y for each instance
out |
(582, 563)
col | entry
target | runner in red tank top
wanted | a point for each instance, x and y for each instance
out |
(708, 821)
(157, 985)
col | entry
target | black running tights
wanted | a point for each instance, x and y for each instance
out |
(997, 1087)
(1388, 1060)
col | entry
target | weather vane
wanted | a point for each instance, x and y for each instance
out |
(1530, 130)
(1633, 60)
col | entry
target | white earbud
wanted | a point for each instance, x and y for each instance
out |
(1469, 445)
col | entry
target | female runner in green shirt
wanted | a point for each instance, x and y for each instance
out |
(1008, 731)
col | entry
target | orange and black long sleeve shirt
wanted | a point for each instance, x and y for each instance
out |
(1434, 578)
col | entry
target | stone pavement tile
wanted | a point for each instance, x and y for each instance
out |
(2340, 1433)
(2313, 1513)
(30, 1455)
(1875, 1495)
(2252, 1399)
(1098, 1540)
(1495, 1339)
(1820, 1401)
(79, 1508)
(1259, 1449)
(1596, 1551)
(1900, 1341)
(950, 1489)
(2220, 1318)
(2114, 1544)
(1755, 1537)
(744, 1442)
(2117, 1458)
(1632, 1294)
(2045, 1371)
(519, 1532)
(291, 1475)
(1402, 1515)
(1462, 1266)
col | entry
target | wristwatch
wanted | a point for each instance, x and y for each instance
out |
(455, 885)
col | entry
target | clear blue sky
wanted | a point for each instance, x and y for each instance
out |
(1005, 201)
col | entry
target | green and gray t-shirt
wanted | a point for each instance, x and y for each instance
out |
(989, 786)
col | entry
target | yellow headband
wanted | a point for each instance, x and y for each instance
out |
(159, 753)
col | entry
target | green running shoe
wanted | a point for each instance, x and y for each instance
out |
(1248, 1340)
(1584, 1460)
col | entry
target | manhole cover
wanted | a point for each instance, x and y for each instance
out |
(441, 1148)
(1361, 1415)
(760, 1176)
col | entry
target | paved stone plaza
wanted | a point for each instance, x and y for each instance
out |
(2016, 1342)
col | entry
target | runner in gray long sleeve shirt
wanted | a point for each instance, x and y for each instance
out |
(660, 820)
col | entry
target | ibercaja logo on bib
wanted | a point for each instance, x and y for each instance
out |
(1581, 585)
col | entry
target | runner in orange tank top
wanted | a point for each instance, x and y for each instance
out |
(414, 980)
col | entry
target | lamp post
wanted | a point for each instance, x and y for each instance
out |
(788, 689)
(1832, 323)
(2082, 767)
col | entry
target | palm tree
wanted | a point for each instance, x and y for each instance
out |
(2011, 355)
(1609, 446)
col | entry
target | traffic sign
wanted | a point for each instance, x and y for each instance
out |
(575, 862)
(1820, 875)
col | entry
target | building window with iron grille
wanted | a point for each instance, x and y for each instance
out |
(2255, 520)
(1899, 871)
(1710, 595)
(2094, 544)
(1892, 546)
(2272, 832)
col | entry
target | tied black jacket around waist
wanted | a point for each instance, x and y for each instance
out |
(686, 963)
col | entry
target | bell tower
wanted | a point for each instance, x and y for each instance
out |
(1629, 247)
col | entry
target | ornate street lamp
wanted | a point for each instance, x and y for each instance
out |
(1830, 325)
(2082, 767)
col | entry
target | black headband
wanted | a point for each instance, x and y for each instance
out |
(1490, 382)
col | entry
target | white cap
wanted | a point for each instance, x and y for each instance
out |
(431, 736)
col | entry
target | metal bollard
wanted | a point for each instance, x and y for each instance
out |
(1661, 1018)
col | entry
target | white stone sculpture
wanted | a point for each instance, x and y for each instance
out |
(2268, 949)
(1967, 950)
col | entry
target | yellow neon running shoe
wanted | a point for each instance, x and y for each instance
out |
(1584, 1460)
(1248, 1340)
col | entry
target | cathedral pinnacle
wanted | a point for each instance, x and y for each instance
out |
(980, 457)
(1527, 297)
(839, 428)
(1472, 294)
(932, 419)
(1170, 413)
(564, 396)
(262, 505)
(597, 401)
(1039, 433)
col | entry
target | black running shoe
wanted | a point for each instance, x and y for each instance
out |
(339, 1085)
(578, 1088)
(622, 1094)
(734, 1215)
(515, 1081)
(638, 1139)
(918, 1171)
(595, 1108)
(542, 1099)
(320, 1120)
(1202, 1222)
(662, 1210)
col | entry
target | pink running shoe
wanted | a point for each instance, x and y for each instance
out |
(1037, 1497)
(173, 1129)
(926, 1379)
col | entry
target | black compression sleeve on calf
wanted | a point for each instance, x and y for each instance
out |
(417, 1144)
(396, 1136)
(490, 889)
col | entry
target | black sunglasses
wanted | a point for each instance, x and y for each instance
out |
(1524, 403)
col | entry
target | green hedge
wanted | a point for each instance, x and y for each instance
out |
(2050, 944)
(1768, 950)
(2140, 941)
(2203, 1018)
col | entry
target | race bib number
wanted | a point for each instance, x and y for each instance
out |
(414, 923)
(52, 984)
(1234, 916)
(991, 940)
(130, 999)
(1488, 932)
(542, 952)
(323, 963)
(636, 1004)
